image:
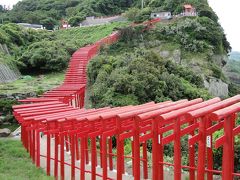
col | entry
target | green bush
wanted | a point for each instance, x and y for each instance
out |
(50, 12)
(138, 15)
(6, 105)
(45, 55)
(6, 109)
(217, 72)
(74, 21)
(139, 77)
(195, 35)
(234, 89)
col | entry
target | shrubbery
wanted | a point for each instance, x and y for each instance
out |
(139, 77)
(197, 35)
(45, 56)
(50, 12)
(6, 109)
(34, 51)
(138, 15)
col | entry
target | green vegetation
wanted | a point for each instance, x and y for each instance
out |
(138, 15)
(50, 12)
(141, 75)
(195, 34)
(6, 113)
(43, 51)
(36, 83)
(16, 164)
(27, 84)
(127, 73)
(17, 39)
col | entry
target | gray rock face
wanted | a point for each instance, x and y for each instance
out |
(18, 96)
(221, 60)
(174, 55)
(5, 132)
(216, 87)
(177, 56)
(164, 54)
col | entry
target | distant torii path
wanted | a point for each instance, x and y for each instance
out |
(60, 115)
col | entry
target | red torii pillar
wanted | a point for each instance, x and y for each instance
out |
(229, 117)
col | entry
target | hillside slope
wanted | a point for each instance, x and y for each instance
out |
(50, 12)
(180, 58)
(38, 51)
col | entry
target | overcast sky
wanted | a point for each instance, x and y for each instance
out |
(229, 14)
(227, 11)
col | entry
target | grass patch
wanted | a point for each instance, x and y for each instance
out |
(16, 164)
(27, 84)
(81, 36)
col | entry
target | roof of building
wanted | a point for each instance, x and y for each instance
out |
(97, 21)
(161, 12)
(31, 25)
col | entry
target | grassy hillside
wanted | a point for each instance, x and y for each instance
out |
(16, 164)
(50, 12)
(168, 62)
(43, 51)
(36, 83)
(142, 67)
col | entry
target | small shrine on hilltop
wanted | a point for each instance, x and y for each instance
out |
(64, 24)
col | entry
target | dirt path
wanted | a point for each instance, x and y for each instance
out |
(111, 174)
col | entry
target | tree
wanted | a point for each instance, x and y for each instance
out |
(49, 23)
(74, 21)
(1, 9)
(45, 56)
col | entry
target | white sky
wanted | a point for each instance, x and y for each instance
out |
(8, 2)
(227, 11)
(229, 15)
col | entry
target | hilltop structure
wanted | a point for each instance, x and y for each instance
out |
(31, 26)
(162, 15)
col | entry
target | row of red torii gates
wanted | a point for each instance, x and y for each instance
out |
(60, 115)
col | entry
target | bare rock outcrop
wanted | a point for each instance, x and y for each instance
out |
(216, 87)
(5, 132)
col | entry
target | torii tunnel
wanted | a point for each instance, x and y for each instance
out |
(77, 143)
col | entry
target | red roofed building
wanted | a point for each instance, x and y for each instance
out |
(189, 10)
(64, 24)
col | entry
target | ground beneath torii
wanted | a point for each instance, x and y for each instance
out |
(111, 174)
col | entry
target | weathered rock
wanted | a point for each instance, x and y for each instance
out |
(221, 60)
(177, 56)
(216, 87)
(164, 54)
(5, 132)
(17, 96)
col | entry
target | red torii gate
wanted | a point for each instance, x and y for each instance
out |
(144, 122)
(60, 115)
